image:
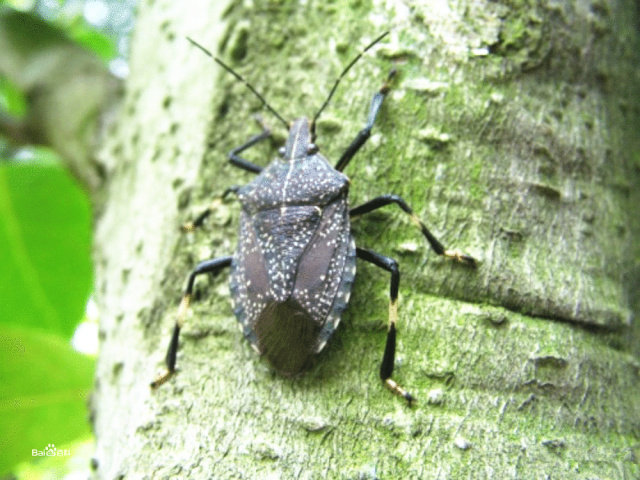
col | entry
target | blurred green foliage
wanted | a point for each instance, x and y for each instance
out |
(68, 23)
(45, 271)
(44, 228)
(45, 280)
(100, 44)
(12, 100)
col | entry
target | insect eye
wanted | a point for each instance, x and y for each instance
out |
(312, 148)
(281, 151)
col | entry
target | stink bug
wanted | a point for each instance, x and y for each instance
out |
(292, 272)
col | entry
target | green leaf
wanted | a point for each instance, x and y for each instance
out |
(45, 267)
(44, 385)
(30, 34)
(45, 278)
(99, 43)
(12, 100)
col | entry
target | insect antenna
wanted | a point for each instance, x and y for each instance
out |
(344, 72)
(238, 77)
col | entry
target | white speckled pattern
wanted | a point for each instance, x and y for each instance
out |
(295, 257)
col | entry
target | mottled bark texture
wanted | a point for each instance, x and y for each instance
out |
(511, 130)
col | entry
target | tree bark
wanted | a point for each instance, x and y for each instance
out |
(511, 132)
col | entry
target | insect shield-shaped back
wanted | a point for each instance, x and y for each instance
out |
(292, 272)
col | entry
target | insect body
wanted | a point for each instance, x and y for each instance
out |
(292, 273)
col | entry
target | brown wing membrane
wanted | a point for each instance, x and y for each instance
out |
(286, 335)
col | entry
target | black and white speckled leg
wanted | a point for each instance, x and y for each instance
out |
(388, 359)
(365, 133)
(437, 247)
(208, 266)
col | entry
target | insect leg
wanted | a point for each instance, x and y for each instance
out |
(238, 162)
(246, 164)
(365, 133)
(437, 247)
(208, 266)
(199, 220)
(386, 367)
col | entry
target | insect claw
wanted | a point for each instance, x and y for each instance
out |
(188, 227)
(461, 257)
(261, 123)
(386, 86)
(469, 260)
(161, 378)
(398, 390)
(409, 398)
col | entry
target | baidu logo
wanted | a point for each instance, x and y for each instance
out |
(50, 451)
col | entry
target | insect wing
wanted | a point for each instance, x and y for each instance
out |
(285, 288)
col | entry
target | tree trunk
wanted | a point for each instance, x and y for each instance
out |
(511, 131)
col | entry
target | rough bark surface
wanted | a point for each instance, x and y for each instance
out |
(510, 131)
